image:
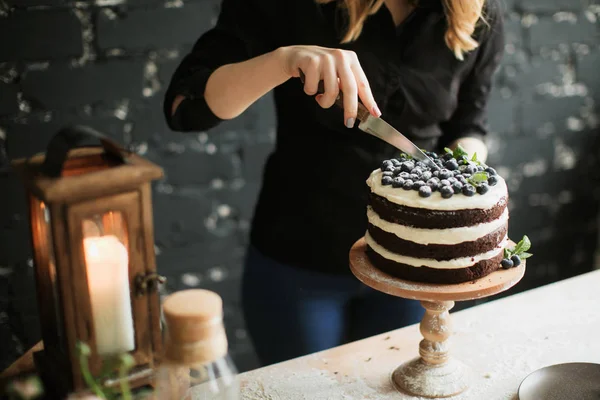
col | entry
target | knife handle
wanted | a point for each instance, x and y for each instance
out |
(361, 113)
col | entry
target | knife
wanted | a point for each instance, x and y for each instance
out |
(379, 128)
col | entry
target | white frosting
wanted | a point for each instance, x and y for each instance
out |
(454, 263)
(437, 236)
(411, 198)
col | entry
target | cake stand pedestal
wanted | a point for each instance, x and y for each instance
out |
(434, 374)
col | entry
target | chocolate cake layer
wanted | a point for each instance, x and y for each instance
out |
(437, 251)
(434, 219)
(434, 275)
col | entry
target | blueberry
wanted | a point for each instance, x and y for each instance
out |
(438, 162)
(461, 179)
(386, 163)
(395, 162)
(426, 175)
(445, 182)
(445, 174)
(408, 166)
(397, 182)
(516, 260)
(507, 263)
(420, 165)
(457, 186)
(433, 183)
(408, 184)
(483, 188)
(432, 155)
(447, 156)
(386, 180)
(387, 173)
(436, 173)
(466, 176)
(404, 175)
(463, 162)
(451, 164)
(493, 180)
(425, 191)
(451, 180)
(414, 177)
(418, 184)
(468, 190)
(479, 168)
(446, 191)
(417, 171)
(470, 169)
(491, 171)
(397, 172)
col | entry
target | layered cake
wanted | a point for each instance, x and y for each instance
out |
(446, 225)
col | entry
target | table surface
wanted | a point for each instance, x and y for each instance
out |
(502, 341)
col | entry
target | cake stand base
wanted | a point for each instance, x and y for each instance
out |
(434, 373)
(419, 378)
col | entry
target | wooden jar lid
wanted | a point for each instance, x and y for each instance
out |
(195, 331)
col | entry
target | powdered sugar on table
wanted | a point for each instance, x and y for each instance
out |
(502, 341)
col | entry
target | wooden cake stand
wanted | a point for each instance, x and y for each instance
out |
(434, 374)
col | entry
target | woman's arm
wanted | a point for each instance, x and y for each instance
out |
(236, 63)
(243, 31)
(232, 88)
(468, 124)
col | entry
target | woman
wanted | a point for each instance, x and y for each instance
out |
(425, 66)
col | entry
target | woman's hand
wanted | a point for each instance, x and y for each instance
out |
(338, 69)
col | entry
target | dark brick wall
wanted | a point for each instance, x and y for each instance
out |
(106, 63)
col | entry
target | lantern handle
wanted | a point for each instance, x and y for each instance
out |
(70, 138)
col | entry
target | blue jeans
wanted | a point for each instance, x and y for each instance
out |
(291, 312)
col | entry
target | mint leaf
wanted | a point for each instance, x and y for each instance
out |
(476, 161)
(459, 152)
(447, 150)
(523, 245)
(526, 244)
(520, 249)
(478, 177)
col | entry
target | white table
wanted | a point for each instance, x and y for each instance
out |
(502, 341)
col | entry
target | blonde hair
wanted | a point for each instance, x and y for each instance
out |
(462, 17)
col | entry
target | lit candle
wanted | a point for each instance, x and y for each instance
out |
(107, 264)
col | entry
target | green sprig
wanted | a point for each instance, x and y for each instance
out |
(476, 161)
(122, 363)
(520, 249)
(478, 177)
(459, 153)
(127, 362)
(84, 352)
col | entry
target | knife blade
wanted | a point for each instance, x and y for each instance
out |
(377, 127)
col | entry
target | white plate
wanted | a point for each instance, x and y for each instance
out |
(572, 381)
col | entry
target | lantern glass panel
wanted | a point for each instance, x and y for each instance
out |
(105, 245)
(44, 257)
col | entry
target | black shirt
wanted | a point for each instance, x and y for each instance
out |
(312, 205)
